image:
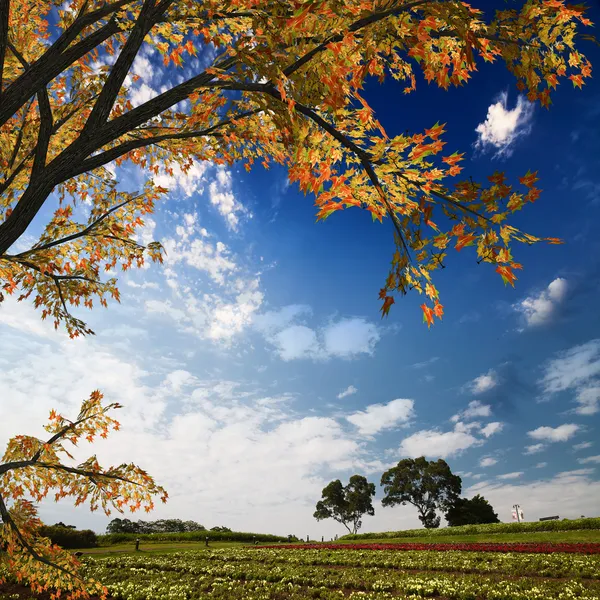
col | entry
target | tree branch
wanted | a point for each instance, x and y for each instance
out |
(148, 16)
(356, 26)
(4, 12)
(19, 139)
(47, 67)
(44, 134)
(79, 234)
(98, 160)
(6, 518)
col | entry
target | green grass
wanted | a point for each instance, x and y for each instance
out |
(585, 535)
(156, 548)
(540, 536)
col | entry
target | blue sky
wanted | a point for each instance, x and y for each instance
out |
(254, 366)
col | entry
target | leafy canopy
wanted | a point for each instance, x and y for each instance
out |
(160, 526)
(347, 504)
(427, 485)
(285, 86)
(474, 511)
(33, 467)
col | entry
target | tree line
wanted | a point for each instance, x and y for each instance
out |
(429, 486)
(159, 526)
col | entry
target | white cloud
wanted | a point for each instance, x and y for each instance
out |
(228, 319)
(240, 437)
(513, 475)
(502, 127)
(141, 94)
(582, 446)
(541, 309)
(534, 449)
(577, 369)
(484, 383)
(214, 259)
(347, 392)
(378, 417)
(222, 197)
(188, 182)
(287, 331)
(541, 465)
(425, 363)
(144, 285)
(349, 337)
(554, 434)
(296, 341)
(487, 461)
(467, 427)
(272, 321)
(437, 444)
(475, 409)
(492, 428)
(569, 494)
(589, 459)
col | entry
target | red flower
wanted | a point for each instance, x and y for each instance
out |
(531, 547)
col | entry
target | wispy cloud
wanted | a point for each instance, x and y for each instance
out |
(513, 475)
(576, 369)
(473, 410)
(347, 392)
(487, 461)
(425, 363)
(534, 449)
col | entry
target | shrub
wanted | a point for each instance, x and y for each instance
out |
(66, 537)
(190, 536)
(564, 525)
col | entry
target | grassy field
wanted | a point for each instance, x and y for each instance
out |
(541, 536)
(590, 535)
(246, 573)
(240, 571)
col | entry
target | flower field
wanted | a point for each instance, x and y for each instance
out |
(307, 572)
(527, 547)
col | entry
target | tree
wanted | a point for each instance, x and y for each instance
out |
(221, 529)
(122, 526)
(427, 485)
(346, 504)
(284, 87)
(32, 467)
(471, 512)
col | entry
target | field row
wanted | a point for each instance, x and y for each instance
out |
(540, 565)
(232, 574)
(524, 547)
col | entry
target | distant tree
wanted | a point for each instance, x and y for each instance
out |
(61, 524)
(193, 526)
(221, 529)
(475, 511)
(427, 485)
(122, 526)
(160, 526)
(348, 504)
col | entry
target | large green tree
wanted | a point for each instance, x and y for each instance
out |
(427, 485)
(474, 511)
(347, 504)
(285, 86)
